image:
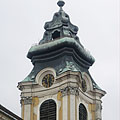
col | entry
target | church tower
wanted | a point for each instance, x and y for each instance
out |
(60, 87)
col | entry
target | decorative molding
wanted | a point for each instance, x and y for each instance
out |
(26, 100)
(69, 64)
(69, 90)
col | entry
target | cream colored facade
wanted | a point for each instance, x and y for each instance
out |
(66, 92)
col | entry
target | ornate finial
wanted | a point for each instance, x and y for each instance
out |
(60, 3)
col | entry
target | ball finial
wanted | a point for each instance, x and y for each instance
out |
(60, 3)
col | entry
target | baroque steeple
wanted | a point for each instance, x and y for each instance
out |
(60, 86)
(60, 26)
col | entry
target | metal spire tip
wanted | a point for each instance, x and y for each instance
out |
(60, 3)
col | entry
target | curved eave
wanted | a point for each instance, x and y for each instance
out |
(101, 93)
(60, 43)
(22, 84)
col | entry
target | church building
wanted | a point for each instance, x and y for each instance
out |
(60, 86)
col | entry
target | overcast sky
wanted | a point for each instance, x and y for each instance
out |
(21, 25)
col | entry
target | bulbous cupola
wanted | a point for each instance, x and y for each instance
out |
(59, 27)
(60, 44)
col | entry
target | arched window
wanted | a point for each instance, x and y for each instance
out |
(82, 112)
(56, 35)
(48, 110)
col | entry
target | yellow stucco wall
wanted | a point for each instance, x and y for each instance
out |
(91, 108)
(59, 98)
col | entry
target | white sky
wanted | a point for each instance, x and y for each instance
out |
(21, 25)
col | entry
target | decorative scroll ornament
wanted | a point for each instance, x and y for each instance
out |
(26, 100)
(69, 65)
(98, 107)
(69, 90)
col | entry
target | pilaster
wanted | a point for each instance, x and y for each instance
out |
(26, 103)
(98, 110)
(69, 102)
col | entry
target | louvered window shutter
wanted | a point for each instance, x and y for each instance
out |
(48, 110)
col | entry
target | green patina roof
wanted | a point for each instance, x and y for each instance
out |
(65, 36)
(65, 40)
(52, 43)
(69, 65)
